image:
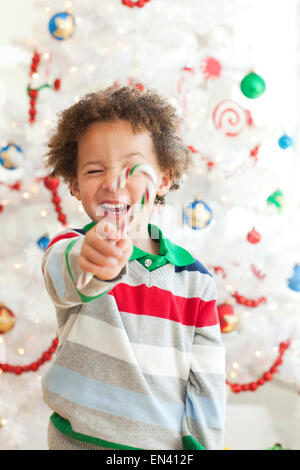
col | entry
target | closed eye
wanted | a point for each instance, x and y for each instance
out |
(93, 171)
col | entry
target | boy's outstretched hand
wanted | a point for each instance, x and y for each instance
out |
(101, 256)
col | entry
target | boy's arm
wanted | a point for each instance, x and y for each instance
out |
(61, 273)
(203, 421)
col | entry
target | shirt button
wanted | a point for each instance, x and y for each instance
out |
(148, 263)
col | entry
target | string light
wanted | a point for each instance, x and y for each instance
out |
(35, 75)
(3, 422)
(229, 287)
(73, 69)
(235, 365)
(46, 56)
(17, 266)
(257, 353)
(44, 213)
(25, 195)
(233, 375)
(21, 352)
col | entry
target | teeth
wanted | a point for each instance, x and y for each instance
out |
(114, 207)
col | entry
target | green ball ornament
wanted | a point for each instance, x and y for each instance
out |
(253, 86)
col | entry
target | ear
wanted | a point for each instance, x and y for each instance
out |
(165, 181)
(74, 189)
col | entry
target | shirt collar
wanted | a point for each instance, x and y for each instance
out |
(175, 254)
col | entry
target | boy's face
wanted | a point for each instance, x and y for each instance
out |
(103, 151)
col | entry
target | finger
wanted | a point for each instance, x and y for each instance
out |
(99, 271)
(105, 247)
(98, 258)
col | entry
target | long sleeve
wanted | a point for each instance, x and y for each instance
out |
(61, 272)
(203, 421)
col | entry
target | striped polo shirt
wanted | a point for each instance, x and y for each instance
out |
(140, 362)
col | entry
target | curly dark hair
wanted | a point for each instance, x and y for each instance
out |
(144, 109)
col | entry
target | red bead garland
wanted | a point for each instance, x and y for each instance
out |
(265, 377)
(52, 184)
(33, 366)
(138, 3)
(248, 302)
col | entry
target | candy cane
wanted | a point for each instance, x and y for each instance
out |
(120, 183)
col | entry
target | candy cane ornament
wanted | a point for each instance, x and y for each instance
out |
(133, 217)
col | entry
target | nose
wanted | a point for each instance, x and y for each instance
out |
(110, 180)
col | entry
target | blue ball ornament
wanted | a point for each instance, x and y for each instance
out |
(43, 242)
(294, 281)
(197, 215)
(285, 141)
(62, 25)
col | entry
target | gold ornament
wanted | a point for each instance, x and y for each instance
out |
(7, 319)
(64, 27)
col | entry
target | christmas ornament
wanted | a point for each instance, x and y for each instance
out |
(231, 118)
(7, 319)
(253, 86)
(265, 377)
(197, 214)
(43, 242)
(11, 159)
(211, 68)
(294, 281)
(33, 366)
(33, 93)
(248, 302)
(227, 317)
(62, 25)
(277, 199)
(138, 3)
(132, 217)
(253, 236)
(285, 141)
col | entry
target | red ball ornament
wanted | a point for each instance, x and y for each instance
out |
(56, 84)
(228, 319)
(253, 236)
(51, 183)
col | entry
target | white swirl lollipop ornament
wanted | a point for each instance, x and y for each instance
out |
(230, 117)
(133, 215)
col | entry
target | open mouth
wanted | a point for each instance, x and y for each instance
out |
(112, 210)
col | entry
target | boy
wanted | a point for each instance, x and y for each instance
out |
(140, 363)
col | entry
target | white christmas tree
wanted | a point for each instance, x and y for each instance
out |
(243, 182)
